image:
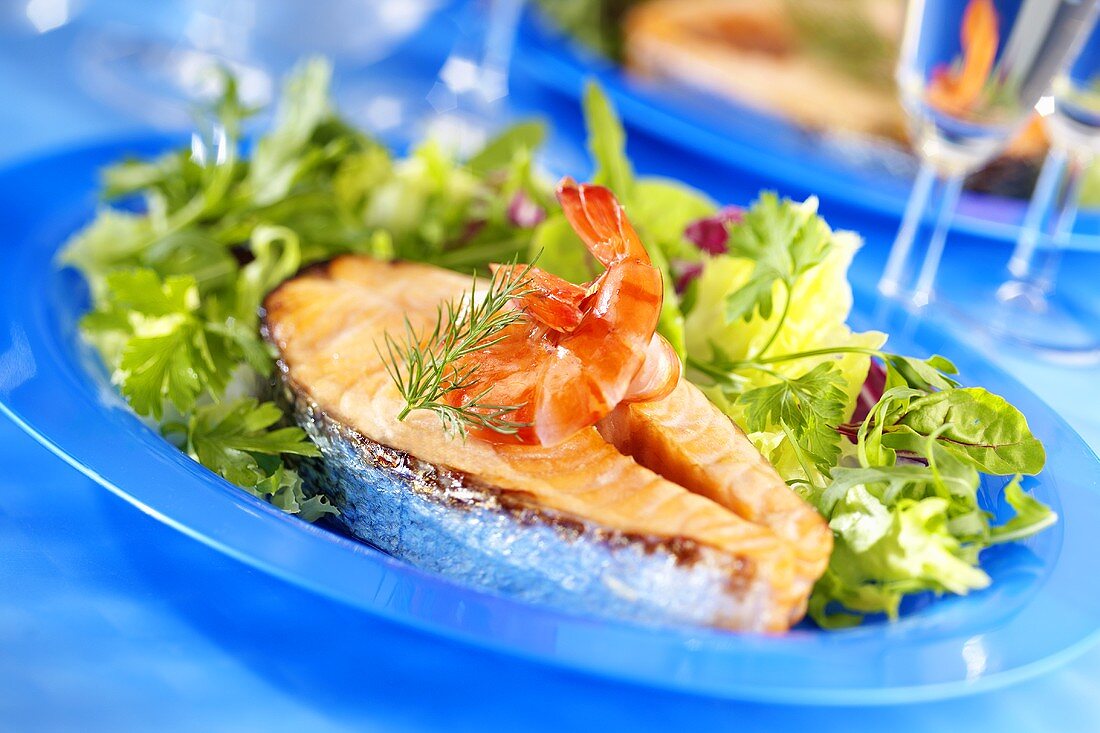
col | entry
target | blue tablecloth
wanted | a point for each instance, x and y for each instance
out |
(91, 638)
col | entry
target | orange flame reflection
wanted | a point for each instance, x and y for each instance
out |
(955, 89)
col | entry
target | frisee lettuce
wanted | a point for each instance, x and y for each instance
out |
(176, 288)
(768, 342)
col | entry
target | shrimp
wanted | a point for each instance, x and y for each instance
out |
(582, 349)
(659, 373)
(548, 299)
(556, 304)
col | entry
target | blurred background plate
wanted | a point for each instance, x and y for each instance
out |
(853, 168)
(1040, 610)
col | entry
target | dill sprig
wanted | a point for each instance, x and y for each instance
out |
(426, 366)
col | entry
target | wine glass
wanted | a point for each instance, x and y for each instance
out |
(1030, 312)
(468, 98)
(158, 61)
(969, 74)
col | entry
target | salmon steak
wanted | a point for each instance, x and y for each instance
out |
(663, 512)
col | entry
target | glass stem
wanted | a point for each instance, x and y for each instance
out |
(209, 140)
(500, 38)
(1050, 216)
(475, 75)
(918, 249)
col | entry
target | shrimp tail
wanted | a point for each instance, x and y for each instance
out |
(599, 220)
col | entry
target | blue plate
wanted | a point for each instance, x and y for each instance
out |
(1041, 609)
(871, 176)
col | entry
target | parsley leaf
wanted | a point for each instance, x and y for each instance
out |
(227, 438)
(167, 344)
(809, 407)
(238, 440)
(784, 240)
(165, 352)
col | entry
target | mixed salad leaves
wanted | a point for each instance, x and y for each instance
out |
(756, 306)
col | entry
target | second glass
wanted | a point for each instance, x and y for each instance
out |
(969, 74)
(1028, 310)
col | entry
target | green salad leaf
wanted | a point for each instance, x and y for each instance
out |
(561, 252)
(500, 151)
(165, 352)
(287, 152)
(1031, 515)
(176, 287)
(768, 342)
(809, 408)
(982, 429)
(783, 240)
(665, 208)
(607, 143)
(883, 552)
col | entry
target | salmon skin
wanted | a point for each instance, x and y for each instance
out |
(579, 526)
(445, 522)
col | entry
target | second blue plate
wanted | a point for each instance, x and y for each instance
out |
(857, 173)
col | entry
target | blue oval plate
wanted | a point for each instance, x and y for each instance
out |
(1041, 609)
(855, 171)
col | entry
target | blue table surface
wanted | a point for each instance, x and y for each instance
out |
(92, 638)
